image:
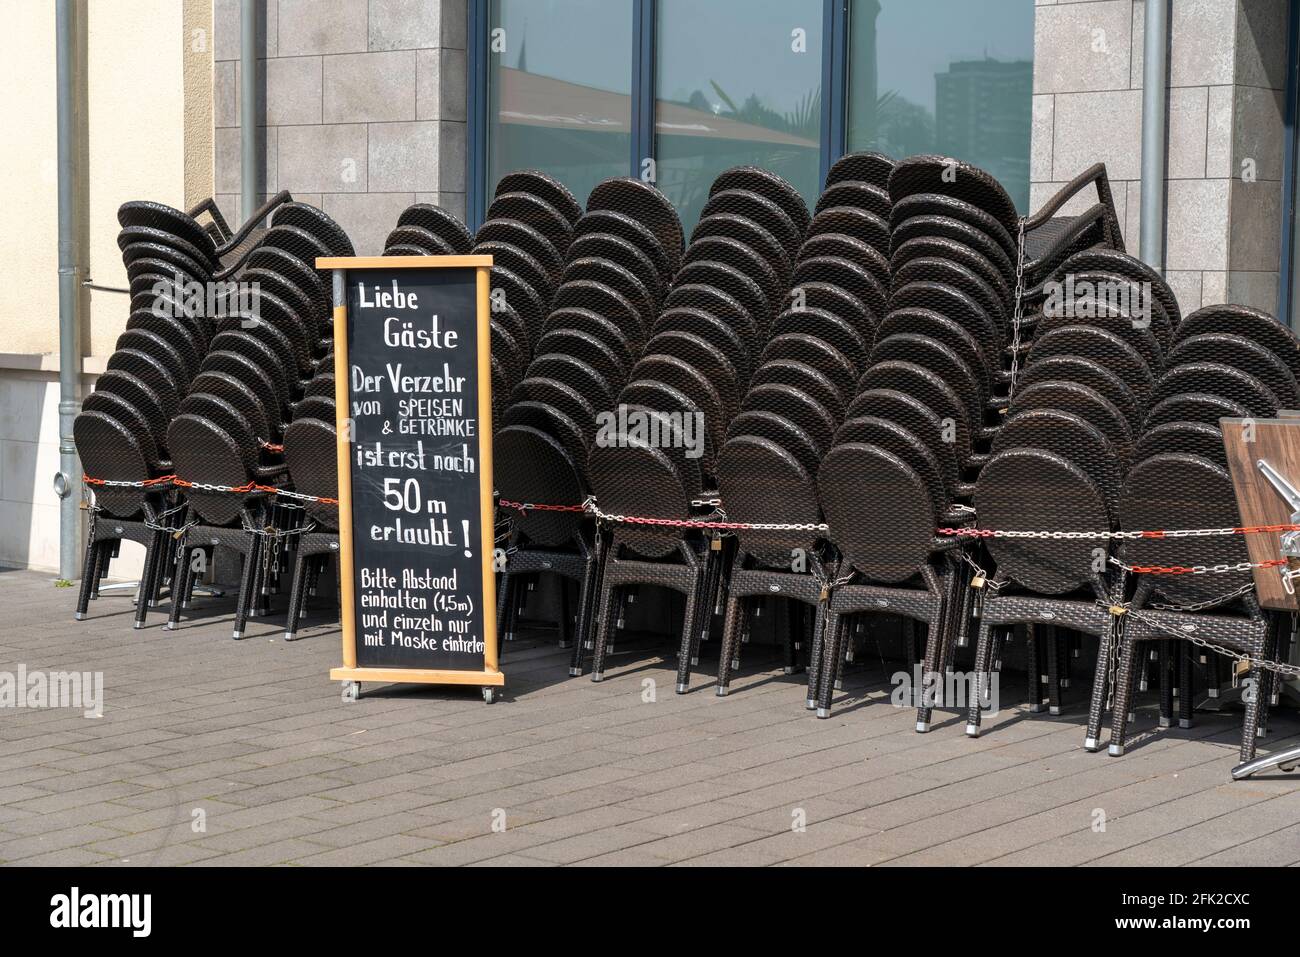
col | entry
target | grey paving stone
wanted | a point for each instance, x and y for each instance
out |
(586, 773)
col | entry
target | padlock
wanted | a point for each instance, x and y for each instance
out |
(979, 581)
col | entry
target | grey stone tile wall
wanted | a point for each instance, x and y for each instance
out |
(363, 103)
(1227, 71)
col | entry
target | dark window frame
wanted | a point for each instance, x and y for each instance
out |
(835, 93)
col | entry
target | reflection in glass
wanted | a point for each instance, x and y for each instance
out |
(948, 77)
(559, 90)
(736, 81)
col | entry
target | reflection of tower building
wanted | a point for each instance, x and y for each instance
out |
(982, 115)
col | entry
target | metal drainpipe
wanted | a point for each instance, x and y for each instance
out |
(249, 147)
(1155, 143)
(68, 482)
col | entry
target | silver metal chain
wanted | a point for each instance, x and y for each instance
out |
(1117, 636)
(1018, 310)
(1222, 568)
(1292, 671)
(1119, 535)
(1208, 603)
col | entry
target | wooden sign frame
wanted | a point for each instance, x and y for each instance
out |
(490, 677)
(1276, 441)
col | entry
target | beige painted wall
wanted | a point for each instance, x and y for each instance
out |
(28, 216)
(148, 134)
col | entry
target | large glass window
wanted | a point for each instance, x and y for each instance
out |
(945, 76)
(559, 90)
(736, 82)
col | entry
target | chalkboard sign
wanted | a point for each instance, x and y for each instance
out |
(413, 396)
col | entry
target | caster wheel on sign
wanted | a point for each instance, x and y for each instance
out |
(351, 690)
(489, 695)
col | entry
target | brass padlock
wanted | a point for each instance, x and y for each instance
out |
(979, 581)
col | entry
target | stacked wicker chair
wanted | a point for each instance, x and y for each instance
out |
(169, 257)
(230, 426)
(1060, 460)
(310, 447)
(688, 382)
(604, 278)
(805, 374)
(1224, 362)
(657, 452)
(916, 430)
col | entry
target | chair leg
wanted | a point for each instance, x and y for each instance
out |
(88, 569)
(1186, 688)
(1034, 666)
(247, 586)
(1165, 667)
(566, 627)
(1250, 724)
(699, 606)
(1124, 674)
(149, 578)
(816, 659)
(582, 638)
(983, 676)
(927, 696)
(1100, 686)
(695, 604)
(1052, 646)
(708, 602)
(103, 555)
(835, 627)
(182, 582)
(505, 603)
(729, 656)
(793, 628)
(610, 599)
(297, 596)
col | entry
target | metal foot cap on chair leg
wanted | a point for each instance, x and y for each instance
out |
(1116, 750)
(137, 625)
(1091, 744)
(170, 626)
(1053, 711)
(237, 635)
(810, 704)
(79, 616)
(823, 712)
(695, 661)
(1184, 723)
(973, 730)
(1166, 722)
(922, 727)
(575, 672)
(721, 691)
(683, 687)
(597, 676)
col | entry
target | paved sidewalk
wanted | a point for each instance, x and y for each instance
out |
(212, 751)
